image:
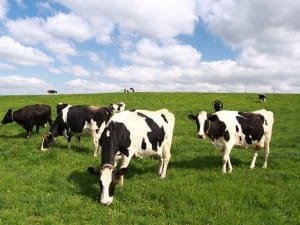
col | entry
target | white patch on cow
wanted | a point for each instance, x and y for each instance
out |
(65, 113)
(106, 179)
(202, 116)
(107, 133)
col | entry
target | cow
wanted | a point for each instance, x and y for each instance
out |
(262, 97)
(131, 133)
(218, 105)
(76, 120)
(227, 129)
(28, 116)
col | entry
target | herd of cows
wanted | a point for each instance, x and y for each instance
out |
(119, 134)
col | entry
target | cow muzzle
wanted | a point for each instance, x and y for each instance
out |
(106, 202)
(201, 136)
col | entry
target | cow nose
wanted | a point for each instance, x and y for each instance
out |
(106, 203)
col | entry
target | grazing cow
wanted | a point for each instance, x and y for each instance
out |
(262, 97)
(218, 105)
(28, 116)
(75, 120)
(133, 133)
(227, 129)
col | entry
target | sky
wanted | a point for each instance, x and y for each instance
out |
(96, 46)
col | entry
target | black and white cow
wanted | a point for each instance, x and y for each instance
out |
(28, 116)
(60, 106)
(138, 133)
(218, 105)
(76, 120)
(227, 129)
(262, 97)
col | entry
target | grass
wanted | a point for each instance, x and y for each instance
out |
(54, 188)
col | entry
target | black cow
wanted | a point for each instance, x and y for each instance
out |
(29, 116)
(75, 120)
(218, 105)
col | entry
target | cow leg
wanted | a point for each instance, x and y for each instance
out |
(226, 159)
(29, 130)
(79, 143)
(69, 141)
(37, 128)
(164, 161)
(96, 144)
(125, 163)
(252, 165)
(267, 152)
(50, 121)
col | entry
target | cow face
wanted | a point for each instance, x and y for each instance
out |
(108, 177)
(118, 107)
(200, 120)
(218, 105)
(8, 117)
(48, 140)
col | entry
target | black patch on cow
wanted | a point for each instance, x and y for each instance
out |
(144, 145)
(164, 117)
(115, 137)
(236, 128)
(226, 135)
(216, 128)
(132, 110)
(156, 135)
(252, 126)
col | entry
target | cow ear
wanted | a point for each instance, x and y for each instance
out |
(192, 117)
(93, 170)
(121, 172)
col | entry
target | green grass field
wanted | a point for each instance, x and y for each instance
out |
(54, 187)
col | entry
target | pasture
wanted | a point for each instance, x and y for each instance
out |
(54, 187)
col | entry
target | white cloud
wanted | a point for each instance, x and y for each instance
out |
(76, 70)
(7, 66)
(153, 18)
(82, 86)
(16, 84)
(65, 26)
(13, 51)
(3, 9)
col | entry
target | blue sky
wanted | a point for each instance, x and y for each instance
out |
(92, 46)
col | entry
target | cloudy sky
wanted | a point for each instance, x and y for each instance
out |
(88, 46)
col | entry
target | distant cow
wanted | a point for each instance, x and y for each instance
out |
(133, 133)
(218, 105)
(52, 92)
(227, 129)
(29, 116)
(75, 120)
(262, 97)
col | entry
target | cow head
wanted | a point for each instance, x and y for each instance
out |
(201, 121)
(108, 178)
(8, 117)
(218, 105)
(48, 140)
(118, 107)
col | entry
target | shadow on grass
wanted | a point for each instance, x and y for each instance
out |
(85, 184)
(204, 162)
